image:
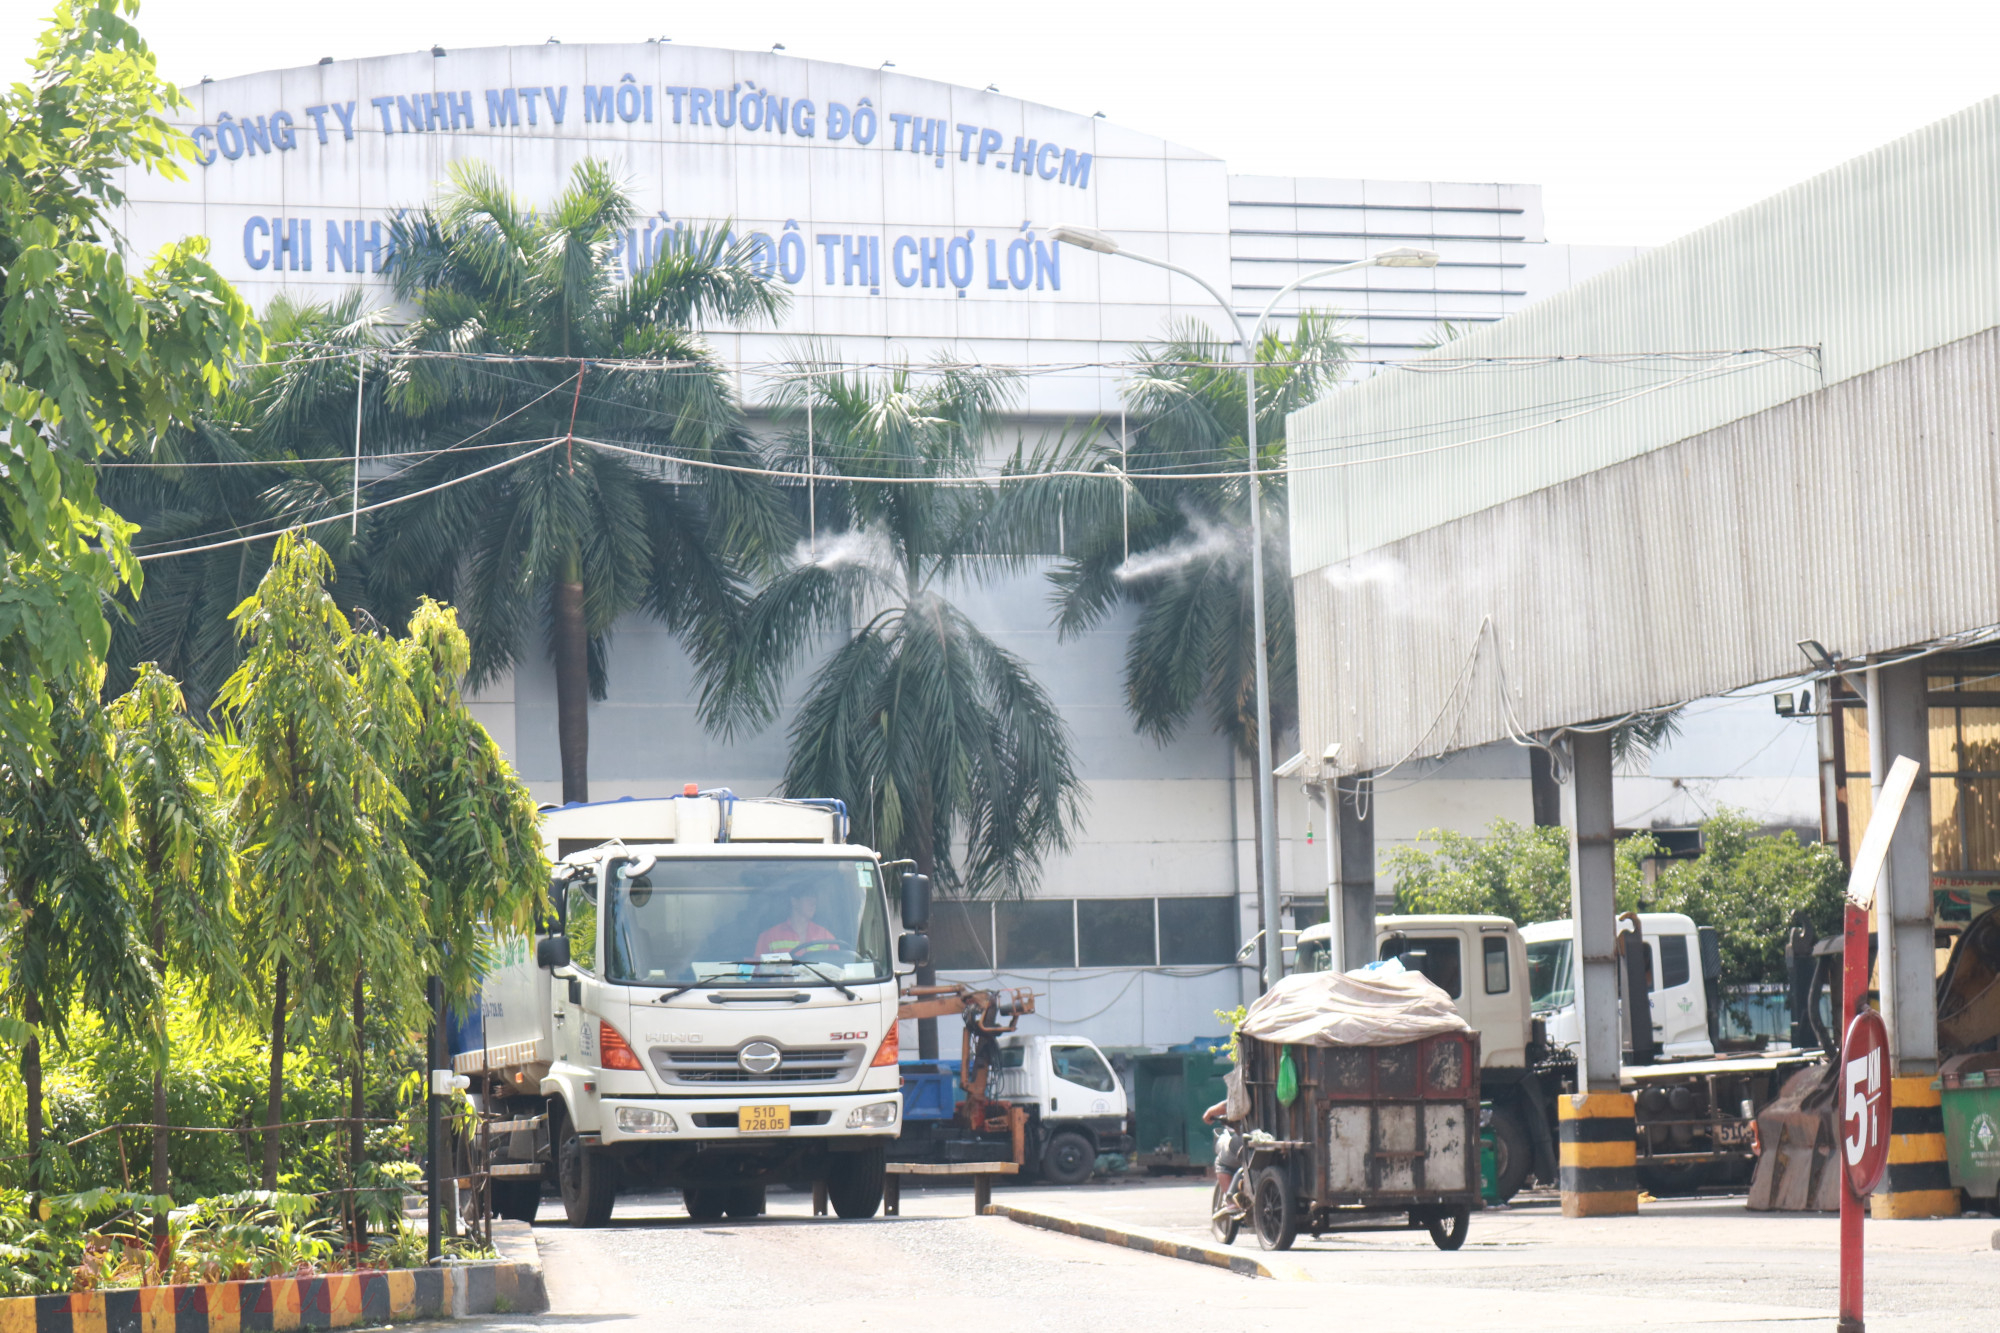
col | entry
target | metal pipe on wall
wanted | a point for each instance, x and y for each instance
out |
(1356, 830)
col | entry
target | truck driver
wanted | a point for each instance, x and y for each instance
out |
(798, 933)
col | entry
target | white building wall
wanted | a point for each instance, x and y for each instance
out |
(1161, 821)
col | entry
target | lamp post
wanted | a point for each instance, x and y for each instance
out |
(1267, 823)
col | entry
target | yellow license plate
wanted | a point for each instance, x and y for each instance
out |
(764, 1119)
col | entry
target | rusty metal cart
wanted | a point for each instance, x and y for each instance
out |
(1376, 1138)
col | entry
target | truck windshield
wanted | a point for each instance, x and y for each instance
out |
(739, 922)
(1314, 956)
(1549, 984)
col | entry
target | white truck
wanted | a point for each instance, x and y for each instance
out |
(1515, 985)
(710, 1006)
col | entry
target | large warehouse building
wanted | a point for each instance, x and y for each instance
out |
(906, 219)
(1764, 451)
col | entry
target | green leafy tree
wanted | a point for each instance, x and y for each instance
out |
(93, 356)
(1749, 887)
(560, 545)
(331, 892)
(1513, 870)
(185, 865)
(72, 937)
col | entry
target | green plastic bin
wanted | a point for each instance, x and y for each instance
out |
(1169, 1093)
(1969, 1088)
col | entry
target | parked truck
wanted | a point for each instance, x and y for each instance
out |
(1049, 1104)
(1695, 1110)
(710, 1005)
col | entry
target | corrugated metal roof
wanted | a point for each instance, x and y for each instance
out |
(1883, 257)
(1865, 515)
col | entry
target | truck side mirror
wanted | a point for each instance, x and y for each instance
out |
(913, 948)
(916, 902)
(552, 951)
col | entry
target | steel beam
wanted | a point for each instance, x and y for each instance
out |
(1899, 724)
(1593, 907)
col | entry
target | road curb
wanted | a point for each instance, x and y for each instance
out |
(1151, 1243)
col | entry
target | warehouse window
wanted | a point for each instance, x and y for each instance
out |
(1197, 931)
(1036, 934)
(962, 936)
(1115, 932)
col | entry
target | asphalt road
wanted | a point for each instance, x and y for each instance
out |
(1690, 1266)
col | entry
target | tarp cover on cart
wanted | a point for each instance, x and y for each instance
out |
(1372, 1007)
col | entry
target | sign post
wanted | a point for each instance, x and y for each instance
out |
(1862, 1088)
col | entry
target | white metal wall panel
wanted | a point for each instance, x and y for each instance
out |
(1885, 256)
(1865, 515)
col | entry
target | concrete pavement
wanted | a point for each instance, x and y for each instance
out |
(1689, 1265)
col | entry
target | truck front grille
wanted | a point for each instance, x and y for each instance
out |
(717, 1066)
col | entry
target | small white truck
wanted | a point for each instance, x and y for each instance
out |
(1678, 997)
(1076, 1105)
(710, 1006)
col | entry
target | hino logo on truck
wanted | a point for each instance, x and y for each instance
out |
(759, 1057)
(674, 1038)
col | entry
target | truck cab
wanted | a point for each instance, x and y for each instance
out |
(1680, 966)
(1076, 1105)
(710, 1005)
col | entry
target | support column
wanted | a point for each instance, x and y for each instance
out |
(1355, 827)
(1598, 1147)
(1593, 908)
(1918, 1182)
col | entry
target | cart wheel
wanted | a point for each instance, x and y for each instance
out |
(1276, 1210)
(1448, 1228)
(1224, 1228)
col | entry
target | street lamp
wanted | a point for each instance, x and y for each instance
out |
(1267, 824)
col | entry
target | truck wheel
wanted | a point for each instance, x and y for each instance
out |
(1513, 1155)
(854, 1182)
(1449, 1227)
(1068, 1159)
(704, 1203)
(517, 1200)
(588, 1186)
(744, 1201)
(1274, 1209)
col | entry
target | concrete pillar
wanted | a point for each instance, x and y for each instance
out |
(1597, 1148)
(1899, 724)
(1593, 908)
(1919, 1181)
(1355, 827)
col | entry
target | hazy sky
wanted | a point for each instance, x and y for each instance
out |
(1642, 120)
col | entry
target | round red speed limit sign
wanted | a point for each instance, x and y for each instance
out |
(1864, 1101)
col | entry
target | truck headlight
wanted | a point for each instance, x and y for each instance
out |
(644, 1120)
(875, 1115)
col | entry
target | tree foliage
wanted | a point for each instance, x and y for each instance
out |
(943, 745)
(1749, 887)
(1180, 549)
(92, 356)
(318, 716)
(1514, 870)
(557, 547)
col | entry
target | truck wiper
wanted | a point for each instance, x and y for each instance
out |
(828, 977)
(679, 990)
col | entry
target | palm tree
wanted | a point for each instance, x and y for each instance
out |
(936, 737)
(273, 449)
(943, 745)
(551, 348)
(1179, 547)
(1174, 538)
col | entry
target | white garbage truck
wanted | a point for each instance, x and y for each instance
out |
(709, 1005)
